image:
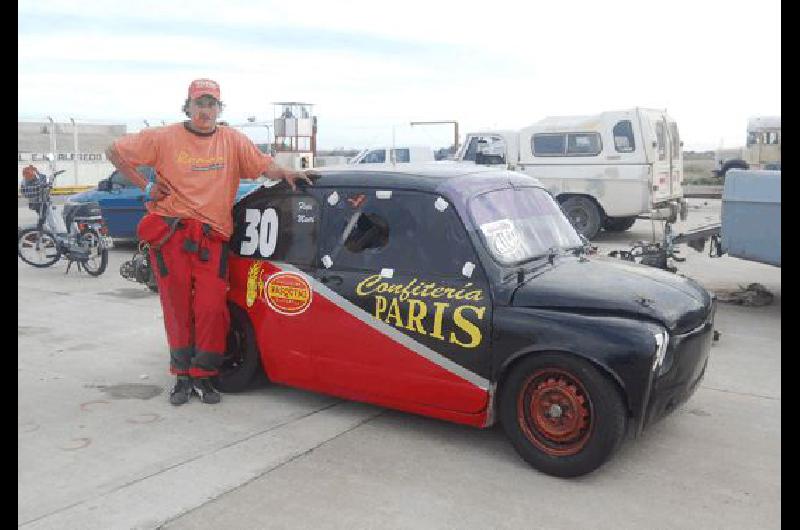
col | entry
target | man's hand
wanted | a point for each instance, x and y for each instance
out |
(158, 190)
(291, 176)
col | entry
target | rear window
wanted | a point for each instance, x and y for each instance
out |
(376, 156)
(623, 137)
(584, 144)
(676, 140)
(661, 140)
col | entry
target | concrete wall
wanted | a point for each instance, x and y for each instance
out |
(34, 142)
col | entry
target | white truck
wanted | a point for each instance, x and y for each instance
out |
(393, 155)
(763, 150)
(606, 170)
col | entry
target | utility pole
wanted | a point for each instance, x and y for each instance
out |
(455, 123)
(53, 144)
(75, 148)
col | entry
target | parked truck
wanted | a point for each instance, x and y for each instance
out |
(763, 149)
(606, 170)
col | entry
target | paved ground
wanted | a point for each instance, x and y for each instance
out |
(100, 447)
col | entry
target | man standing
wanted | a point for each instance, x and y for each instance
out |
(198, 165)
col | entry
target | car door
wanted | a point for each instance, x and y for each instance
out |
(410, 313)
(274, 247)
(123, 206)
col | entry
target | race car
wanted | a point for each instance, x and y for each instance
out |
(460, 293)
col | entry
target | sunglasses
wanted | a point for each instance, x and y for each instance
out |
(207, 102)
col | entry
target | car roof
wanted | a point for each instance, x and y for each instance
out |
(437, 177)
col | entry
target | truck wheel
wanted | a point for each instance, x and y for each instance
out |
(561, 414)
(584, 215)
(618, 224)
(242, 359)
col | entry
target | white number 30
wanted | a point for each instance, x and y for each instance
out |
(261, 232)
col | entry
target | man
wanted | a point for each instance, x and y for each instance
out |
(198, 166)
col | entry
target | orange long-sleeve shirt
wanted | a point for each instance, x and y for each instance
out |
(201, 170)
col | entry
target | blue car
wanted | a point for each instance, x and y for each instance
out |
(122, 203)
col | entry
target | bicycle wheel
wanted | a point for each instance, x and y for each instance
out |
(38, 248)
(97, 261)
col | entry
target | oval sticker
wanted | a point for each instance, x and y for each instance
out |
(287, 293)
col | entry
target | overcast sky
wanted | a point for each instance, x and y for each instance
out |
(370, 67)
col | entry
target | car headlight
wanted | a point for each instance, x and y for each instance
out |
(662, 344)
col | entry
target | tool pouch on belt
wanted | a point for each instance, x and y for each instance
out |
(156, 230)
(215, 236)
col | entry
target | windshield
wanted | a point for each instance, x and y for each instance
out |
(519, 224)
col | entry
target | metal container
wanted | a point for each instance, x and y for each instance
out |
(751, 215)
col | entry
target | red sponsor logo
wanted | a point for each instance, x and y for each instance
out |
(287, 293)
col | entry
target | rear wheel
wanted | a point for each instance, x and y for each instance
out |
(584, 215)
(97, 261)
(38, 248)
(242, 360)
(562, 415)
(618, 224)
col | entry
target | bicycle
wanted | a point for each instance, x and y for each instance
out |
(85, 242)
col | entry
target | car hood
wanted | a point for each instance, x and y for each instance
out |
(610, 286)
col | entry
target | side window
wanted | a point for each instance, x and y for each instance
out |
(661, 140)
(584, 144)
(676, 140)
(472, 149)
(548, 144)
(408, 232)
(401, 155)
(376, 156)
(277, 227)
(623, 137)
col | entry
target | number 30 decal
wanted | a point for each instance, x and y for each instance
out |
(261, 233)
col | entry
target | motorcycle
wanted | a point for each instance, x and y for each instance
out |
(80, 236)
(138, 269)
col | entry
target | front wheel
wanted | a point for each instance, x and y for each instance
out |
(562, 415)
(38, 248)
(97, 261)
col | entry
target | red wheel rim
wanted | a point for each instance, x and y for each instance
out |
(554, 412)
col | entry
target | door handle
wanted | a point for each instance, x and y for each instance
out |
(332, 280)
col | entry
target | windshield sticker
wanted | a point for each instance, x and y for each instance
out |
(448, 314)
(287, 293)
(387, 273)
(441, 204)
(357, 200)
(333, 198)
(503, 239)
(384, 194)
(468, 268)
(327, 261)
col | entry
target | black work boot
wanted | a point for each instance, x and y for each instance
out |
(180, 392)
(205, 390)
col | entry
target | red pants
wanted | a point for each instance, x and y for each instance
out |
(191, 271)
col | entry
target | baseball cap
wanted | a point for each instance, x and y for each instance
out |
(202, 87)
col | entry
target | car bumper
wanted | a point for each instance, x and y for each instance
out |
(687, 359)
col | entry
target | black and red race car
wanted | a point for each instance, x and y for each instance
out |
(461, 293)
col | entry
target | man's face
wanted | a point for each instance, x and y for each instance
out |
(203, 112)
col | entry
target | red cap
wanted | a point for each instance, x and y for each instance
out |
(203, 87)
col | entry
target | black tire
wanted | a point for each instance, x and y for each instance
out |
(97, 265)
(242, 359)
(584, 215)
(28, 238)
(591, 415)
(618, 224)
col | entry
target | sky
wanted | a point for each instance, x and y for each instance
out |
(372, 67)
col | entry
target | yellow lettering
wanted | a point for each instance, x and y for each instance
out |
(365, 286)
(394, 312)
(437, 319)
(471, 329)
(414, 317)
(380, 305)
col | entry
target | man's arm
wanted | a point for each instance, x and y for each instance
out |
(277, 172)
(159, 191)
